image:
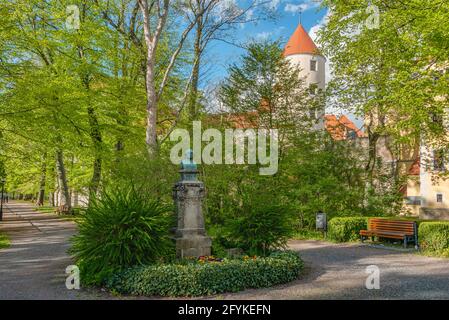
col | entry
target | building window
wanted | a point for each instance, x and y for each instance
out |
(313, 65)
(439, 197)
(413, 200)
(438, 160)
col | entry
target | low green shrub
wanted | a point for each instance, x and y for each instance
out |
(434, 238)
(261, 226)
(196, 278)
(121, 228)
(345, 229)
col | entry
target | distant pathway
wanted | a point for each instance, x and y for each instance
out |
(33, 267)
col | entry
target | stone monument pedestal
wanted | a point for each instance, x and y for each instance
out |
(191, 238)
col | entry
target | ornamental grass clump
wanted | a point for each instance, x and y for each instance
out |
(121, 228)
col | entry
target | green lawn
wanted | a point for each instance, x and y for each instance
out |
(4, 241)
(305, 234)
(50, 209)
(46, 209)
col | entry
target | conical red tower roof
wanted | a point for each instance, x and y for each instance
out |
(300, 43)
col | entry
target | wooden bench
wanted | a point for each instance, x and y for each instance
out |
(392, 229)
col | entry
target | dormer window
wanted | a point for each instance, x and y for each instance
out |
(313, 65)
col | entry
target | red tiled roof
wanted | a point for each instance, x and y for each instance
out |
(300, 42)
(415, 168)
(340, 127)
(236, 120)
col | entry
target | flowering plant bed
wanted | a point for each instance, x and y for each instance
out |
(208, 275)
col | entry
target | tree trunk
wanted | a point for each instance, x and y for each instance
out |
(41, 196)
(51, 199)
(97, 140)
(62, 180)
(196, 70)
(95, 133)
(151, 132)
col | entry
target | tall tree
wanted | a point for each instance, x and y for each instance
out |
(389, 61)
(217, 23)
(159, 11)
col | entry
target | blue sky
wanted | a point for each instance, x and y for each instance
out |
(222, 54)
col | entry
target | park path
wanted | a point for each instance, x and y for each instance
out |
(34, 267)
(338, 271)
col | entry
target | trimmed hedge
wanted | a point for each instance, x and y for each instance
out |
(193, 278)
(434, 237)
(345, 229)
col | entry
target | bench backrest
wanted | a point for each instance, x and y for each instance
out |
(407, 227)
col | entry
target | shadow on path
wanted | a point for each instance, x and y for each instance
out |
(338, 271)
(33, 267)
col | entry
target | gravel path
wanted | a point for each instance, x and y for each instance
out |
(34, 267)
(338, 272)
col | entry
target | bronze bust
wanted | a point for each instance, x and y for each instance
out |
(189, 168)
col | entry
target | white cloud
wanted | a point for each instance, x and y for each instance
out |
(301, 7)
(295, 8)
(274, 5)
(263, 35)
(316, 28)
(249, 14)
(226, 8)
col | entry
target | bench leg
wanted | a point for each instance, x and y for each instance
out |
(405, 242)
(362, 238)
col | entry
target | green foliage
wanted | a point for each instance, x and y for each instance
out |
(262, 225)
(307, 234)
(155, 176)
(197, 279)
(346, 229)
(315, 174)
(321, 174)
(4, 241)
(434, 238)
(393, 70)
(265, 81)
(245, 210)
(122, 227)
(81, 91)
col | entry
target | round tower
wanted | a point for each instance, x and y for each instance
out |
(302, 52)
